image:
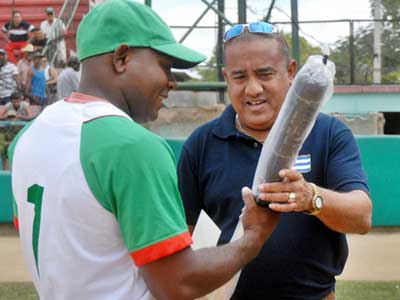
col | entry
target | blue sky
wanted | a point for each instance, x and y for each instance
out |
(185, 12)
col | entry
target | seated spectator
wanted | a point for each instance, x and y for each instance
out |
(36, 81)
(16, 32)
(16, 109)
(68, 81)
(38, 39)
(54, 30)
(25, 64)
(9, 78)
(51, 77)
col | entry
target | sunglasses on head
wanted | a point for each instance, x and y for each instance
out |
(255, 27)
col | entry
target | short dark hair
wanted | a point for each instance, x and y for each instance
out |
(246, 35)
(14, 12)
(16, 95)
(73, 61)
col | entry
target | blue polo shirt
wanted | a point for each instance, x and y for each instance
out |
(302, 257)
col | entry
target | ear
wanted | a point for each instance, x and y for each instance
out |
(224, 72)
(292, 67)
(120, 58)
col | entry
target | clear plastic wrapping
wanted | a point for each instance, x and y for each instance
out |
(311, 88)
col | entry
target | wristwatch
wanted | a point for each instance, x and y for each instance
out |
(317, 202)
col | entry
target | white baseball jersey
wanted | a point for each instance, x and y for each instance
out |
(96, 197)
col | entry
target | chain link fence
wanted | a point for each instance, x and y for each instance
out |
(8, 130)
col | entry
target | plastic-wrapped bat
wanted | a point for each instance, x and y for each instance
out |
(312, 86)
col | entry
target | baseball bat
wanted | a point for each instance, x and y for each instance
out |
(312, 86)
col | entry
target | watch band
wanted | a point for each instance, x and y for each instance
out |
(315, 210)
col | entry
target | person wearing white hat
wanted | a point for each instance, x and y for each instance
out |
(25, 64)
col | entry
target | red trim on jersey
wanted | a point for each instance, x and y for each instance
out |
(83, 98)
(161, 249)
(16, 223)
(90, 120)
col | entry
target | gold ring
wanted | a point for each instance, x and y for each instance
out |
(292, 197)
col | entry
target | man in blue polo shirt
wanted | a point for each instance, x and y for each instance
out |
(323, 196)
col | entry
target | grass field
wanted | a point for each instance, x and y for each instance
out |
(345, 290)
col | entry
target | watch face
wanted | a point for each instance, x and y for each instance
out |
(318, 202)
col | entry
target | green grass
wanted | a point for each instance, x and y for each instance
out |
(345, 290)
(17, 291)
(368, 290)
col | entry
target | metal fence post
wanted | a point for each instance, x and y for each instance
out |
(295, 32)
(242, 6)
(220, 48)
(351, 52)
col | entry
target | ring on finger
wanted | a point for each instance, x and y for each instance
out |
(292, 197)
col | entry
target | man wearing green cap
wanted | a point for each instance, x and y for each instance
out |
(97, 203)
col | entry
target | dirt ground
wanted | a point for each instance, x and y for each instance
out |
(375, 256)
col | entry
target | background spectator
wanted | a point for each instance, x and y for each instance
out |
(9, 78)
(16, 109)
(25, 64)
(68, 81)
(38, 39)
(16, 33)
(54, 30)
(51, 77)
(36, 81)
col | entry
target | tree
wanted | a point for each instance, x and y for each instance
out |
(208, 72)
(364, 52)
(306, 49)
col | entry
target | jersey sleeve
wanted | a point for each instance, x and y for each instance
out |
(345, 172)
(5, 27)
(188, 186)
(27, 26)
(132, 173)
(15, 70)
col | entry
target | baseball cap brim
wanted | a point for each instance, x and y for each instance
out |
(183, 57)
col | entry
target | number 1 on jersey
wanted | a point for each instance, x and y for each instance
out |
(35, 195)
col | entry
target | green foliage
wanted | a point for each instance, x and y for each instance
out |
(364, 51)
(208, 72)
(390, 11)
(306, 49)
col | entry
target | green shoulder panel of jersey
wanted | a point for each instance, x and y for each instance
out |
(132, 173)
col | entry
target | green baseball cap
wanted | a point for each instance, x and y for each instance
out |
(117, 22)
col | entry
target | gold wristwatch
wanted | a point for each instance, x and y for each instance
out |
(317, 202)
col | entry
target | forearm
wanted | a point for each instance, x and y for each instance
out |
(24, 118)
(346, 212)
(202, 271)
(5, 35)
(190, 274)
(28, 87)
(51, 81)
